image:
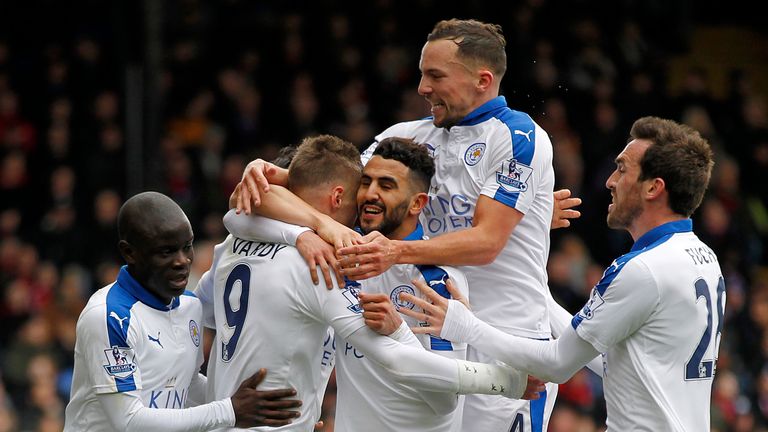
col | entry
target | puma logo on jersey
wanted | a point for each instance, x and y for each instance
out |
(157, 339)
(437, 282)
(527, 135)
(117, 317)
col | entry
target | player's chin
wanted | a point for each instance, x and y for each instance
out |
(369, 223)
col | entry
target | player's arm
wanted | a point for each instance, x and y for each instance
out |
(315, 251)
(260, 228)
(560, 322)
(422, 369)
(554, 361)
(492, 224)
(248, 407)
(417, 367)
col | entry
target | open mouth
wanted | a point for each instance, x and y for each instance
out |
(180, 281)
(371, 210)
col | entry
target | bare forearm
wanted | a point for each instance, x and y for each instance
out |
(472, 246)
(284, 205)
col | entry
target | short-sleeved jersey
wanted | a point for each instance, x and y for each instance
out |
(367, 397)
(505, 155)
(268, 314)
(657, 314)
(127, 339)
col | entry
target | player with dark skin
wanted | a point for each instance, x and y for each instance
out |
(156, 243)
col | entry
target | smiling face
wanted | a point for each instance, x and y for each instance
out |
(626, 190)
(385, 198)
(448, 83)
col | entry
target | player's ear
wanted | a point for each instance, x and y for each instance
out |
(337, 197)
(485, 79)
(127, 251)
(418, 202)
(654, 188)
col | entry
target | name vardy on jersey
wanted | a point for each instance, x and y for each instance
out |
(251, 248)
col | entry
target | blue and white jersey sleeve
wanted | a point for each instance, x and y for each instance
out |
(108, 346)
(339, 308)
(260, 228)
(618, 305)
(521, 155)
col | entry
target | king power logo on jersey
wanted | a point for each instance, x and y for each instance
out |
(513, 176)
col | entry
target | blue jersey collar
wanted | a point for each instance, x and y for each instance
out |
(667, 229)
(417, 234)
(482, 112)
(134, 288)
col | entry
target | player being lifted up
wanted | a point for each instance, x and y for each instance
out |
(490, 202)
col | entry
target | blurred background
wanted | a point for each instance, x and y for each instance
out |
(101, 100)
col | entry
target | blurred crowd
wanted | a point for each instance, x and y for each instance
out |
(243, 79)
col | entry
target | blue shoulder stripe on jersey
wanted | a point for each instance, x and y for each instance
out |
(646, 242)
(119, 304)
(189, 293)
(135, 289)
(522, 132)
(435, 278)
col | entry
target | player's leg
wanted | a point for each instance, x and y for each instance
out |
(495, 414)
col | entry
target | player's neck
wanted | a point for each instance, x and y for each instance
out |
(649, 220)
(404, 230)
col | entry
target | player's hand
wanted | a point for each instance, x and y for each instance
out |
(317, 252)
(563, 209)
(534, 388)
(371, 258)
(379, 313)
(337, 234)
(263, 408)
(434, 308)
(254, 183)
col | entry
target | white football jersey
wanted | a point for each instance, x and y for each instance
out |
(268, 314)
(505, 155)
(657, 315)
(367, 397)
(129, 340)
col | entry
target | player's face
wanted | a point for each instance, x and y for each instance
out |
(448, 83)
(626, 191)
(384, 198)
(162, 260)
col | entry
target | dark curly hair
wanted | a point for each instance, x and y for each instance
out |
(411, 154)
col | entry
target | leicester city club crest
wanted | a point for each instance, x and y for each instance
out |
(513, 176)
(474, 153)
(397, 301)
(194, 332)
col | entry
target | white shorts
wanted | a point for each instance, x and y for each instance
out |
(487, 413)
